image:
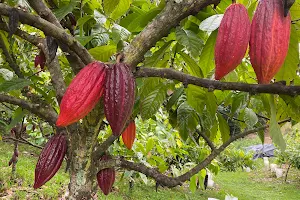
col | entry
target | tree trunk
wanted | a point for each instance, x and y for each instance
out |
(82, 171)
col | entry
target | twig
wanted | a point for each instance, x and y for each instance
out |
(207, 140)
(22, 141)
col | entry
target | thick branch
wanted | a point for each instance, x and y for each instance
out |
(45, 112)
(174, 181)
(22, 34)
(51, 30)
(43, 11)
(169, 73)
(169, 18)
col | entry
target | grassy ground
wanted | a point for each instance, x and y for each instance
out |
(258, 184)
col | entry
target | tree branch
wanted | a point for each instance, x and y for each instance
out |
(22, 34)
(174, 181)
(43, 11)
(207, 140)
(23, 141)
(51, 30)
(45, 112)
(169, 18)
(172, 74)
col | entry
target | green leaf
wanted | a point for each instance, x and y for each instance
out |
(196, 97)
(109, 6)
(207, 63)
(103, 53)
(211, 104)
(84, 39)
(211, 23)
(6, 74)
(14, 84)
(17, 117)
(239, 101)
(120, 9)
(173, 99)
(157, 56)
(150, 144)
(193, 183)
(187, 120)
(64, 10)
(224, 128)
(250, 117)
(191, 66)
(274, 129)
(151, 103)
(290, 66)
(190, 40)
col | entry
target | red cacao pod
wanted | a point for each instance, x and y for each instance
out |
(40, 60)
(118, 96)
(128, 135)
(50, 160)
(232, 40)
(83, 94)
(106, 177)
(269, 41)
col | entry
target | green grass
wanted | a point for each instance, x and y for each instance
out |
(258, 184)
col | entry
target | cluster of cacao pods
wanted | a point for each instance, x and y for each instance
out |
(82, 95)
(50, 159)
(268, 36)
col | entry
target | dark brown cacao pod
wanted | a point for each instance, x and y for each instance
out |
(50, 160)
(106, 177)
(83, 94)
(118, 96)
(128, 135)
(269, 41)
(232, 40)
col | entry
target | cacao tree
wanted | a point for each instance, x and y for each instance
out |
(129, 59)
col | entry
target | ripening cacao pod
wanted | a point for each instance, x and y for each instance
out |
(128, 135)
(40, 60)
(232, 40)
(50, 160)
(106, 177)
(83, 94)
(269, 41)
(118, 96)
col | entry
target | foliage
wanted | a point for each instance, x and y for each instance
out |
(292, 153)
(233, 159)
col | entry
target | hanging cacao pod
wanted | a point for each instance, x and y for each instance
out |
(83, 94)
(128, 135)
(106, 177)
(269, 41)
(232, 40)
(118, 96)
(50, 160)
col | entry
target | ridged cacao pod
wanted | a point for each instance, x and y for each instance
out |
(269, 41)
(83, 94)
(232, 40)
(106, 177)
(50, 160)
(118, 96)
(128, 135)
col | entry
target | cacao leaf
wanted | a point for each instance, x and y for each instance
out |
(211, 23)
(60, 13)
(224, 128)
(275, 131)
(14, 84)
(103, 53)
(157, 56)
(250, 117)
